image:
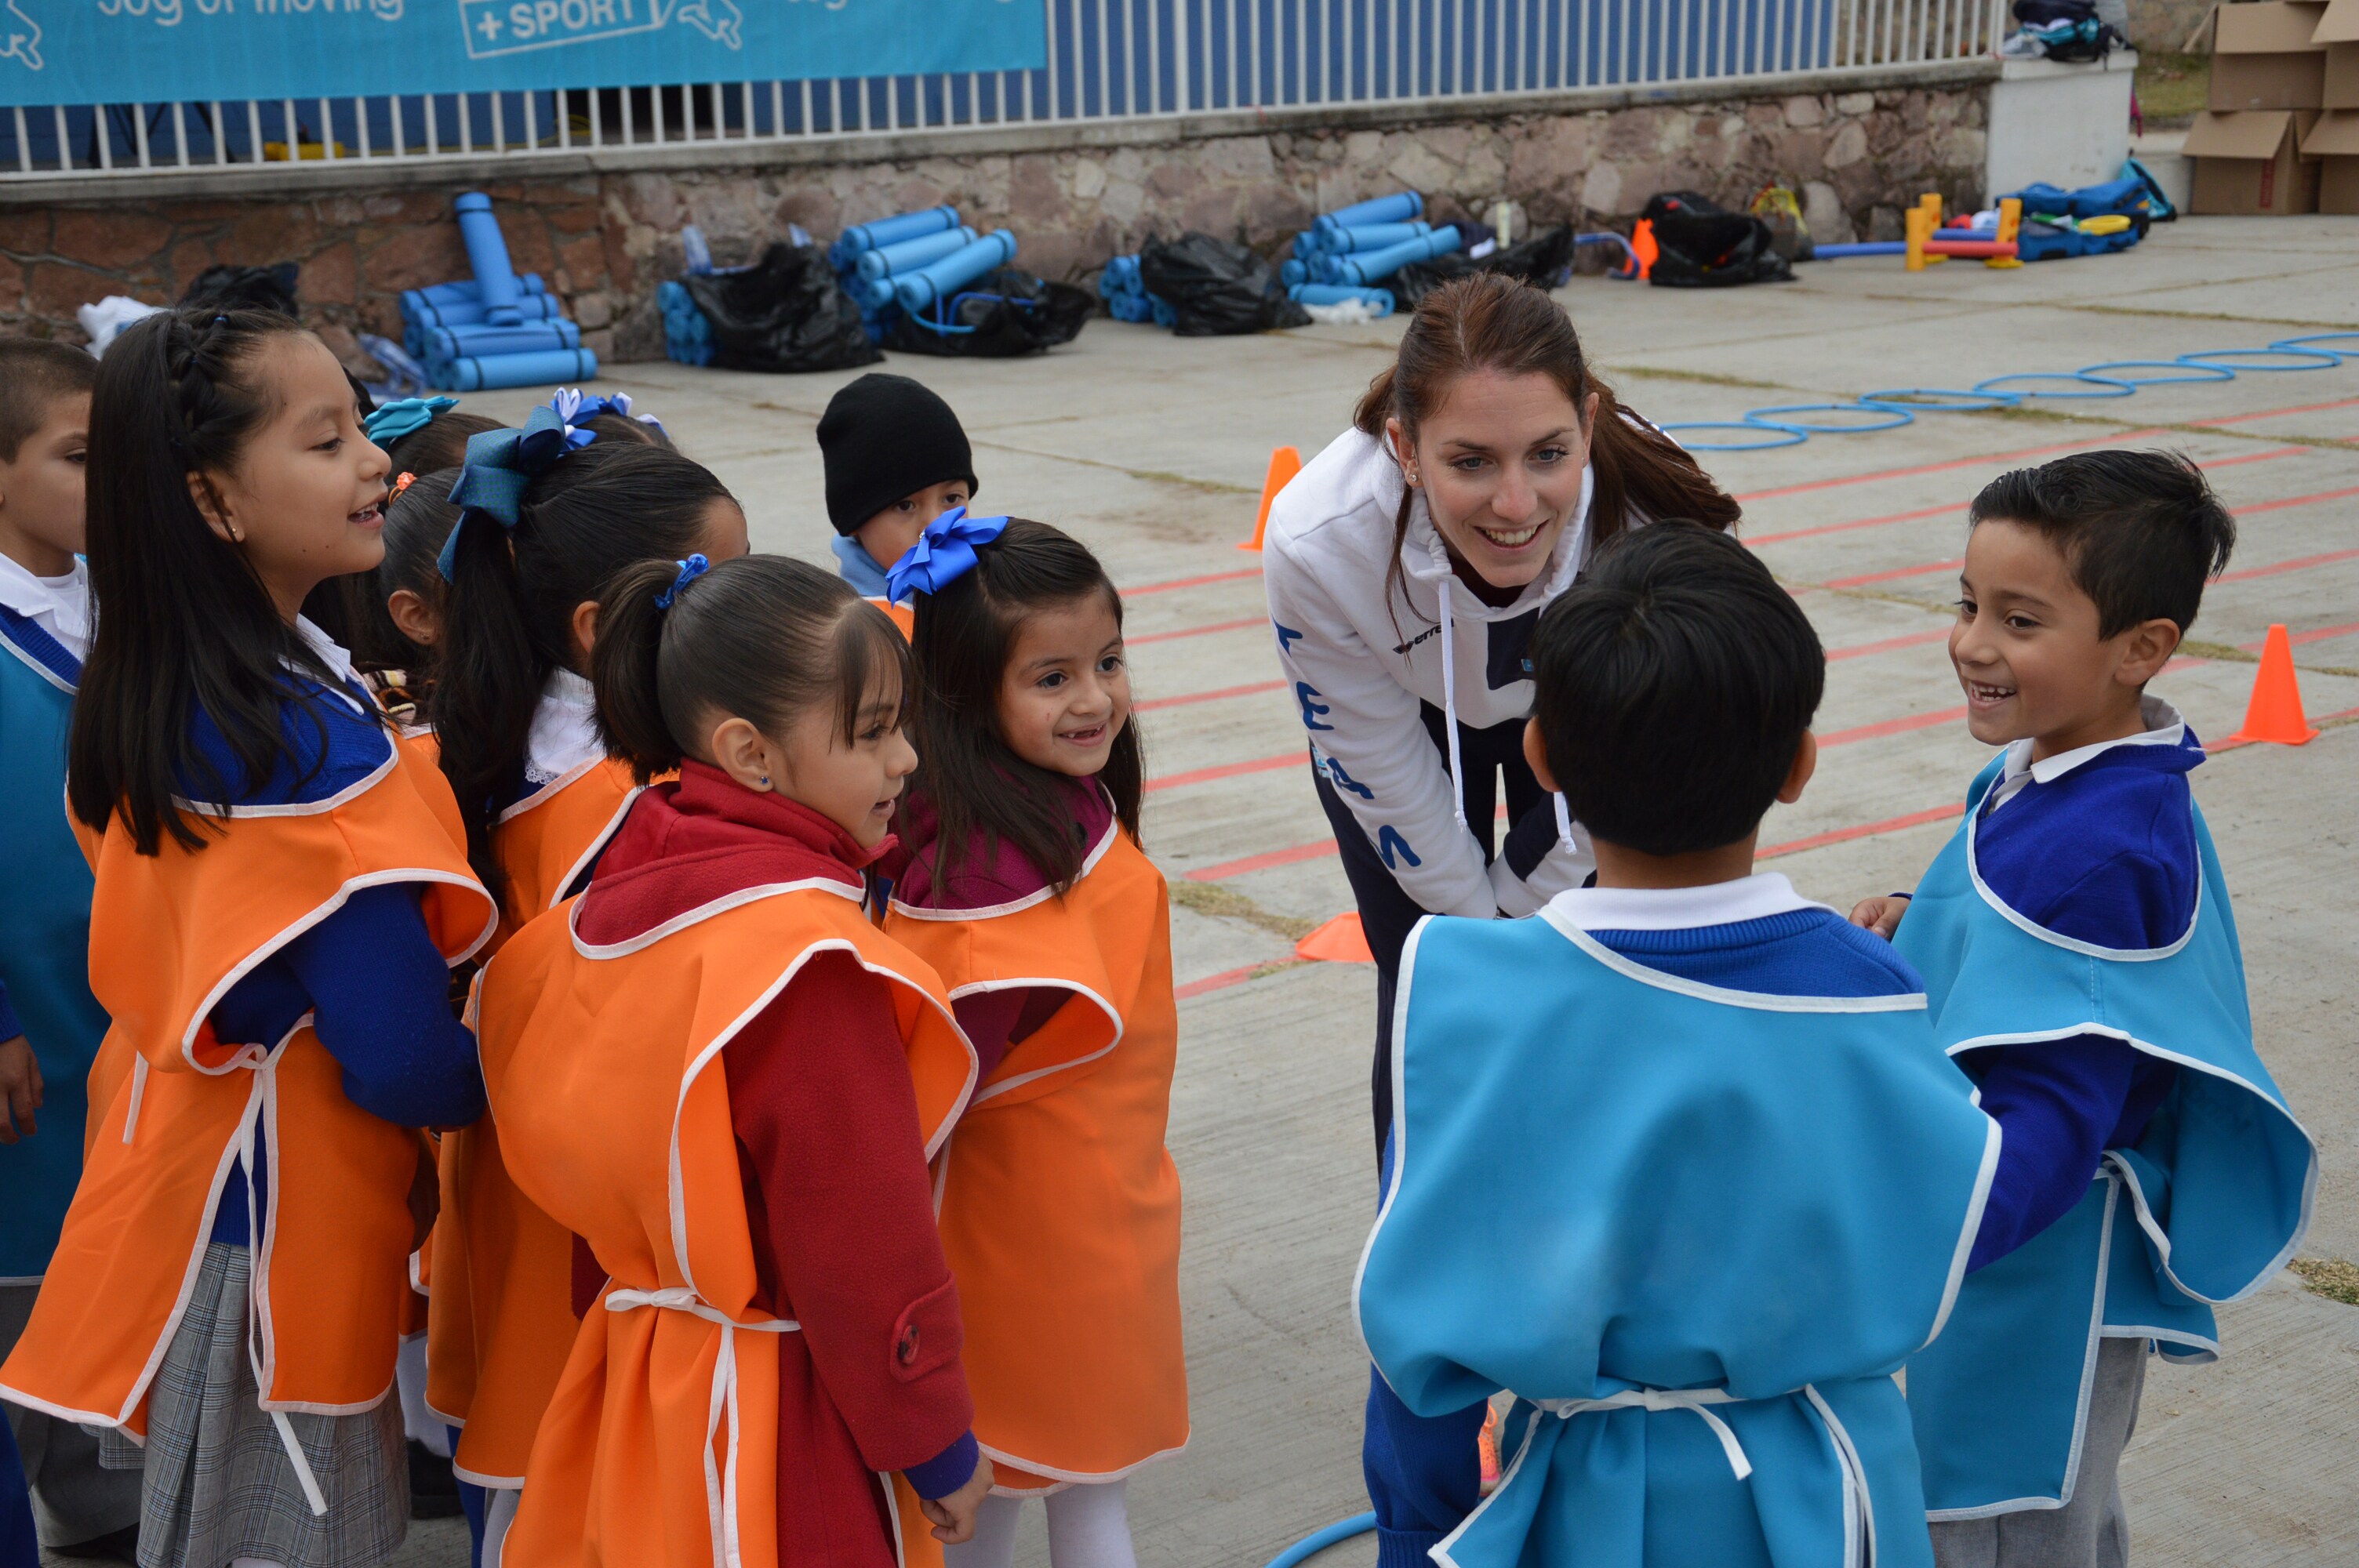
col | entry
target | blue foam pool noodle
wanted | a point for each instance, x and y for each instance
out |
(1399, 208)
(906, 256)
(1374, 265)
(548, 367)
(487, 253)
(1380, 301)
(894, 230)
(918, 290)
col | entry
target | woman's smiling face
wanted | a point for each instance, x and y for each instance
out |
(1500, 462)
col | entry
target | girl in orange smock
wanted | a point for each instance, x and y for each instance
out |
(1020, 878)
(548, 513)
(280, 891)
(716, 1070)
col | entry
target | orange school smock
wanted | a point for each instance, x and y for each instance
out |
(659, 1449)
(500, 1318)
(903, 615)
(170, 933)
(1060, 1204)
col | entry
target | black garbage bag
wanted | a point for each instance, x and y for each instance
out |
(1000, 316)
(1216, 289)
(785, 313)
(246, 288)
(1542, 259)
(1701, 245)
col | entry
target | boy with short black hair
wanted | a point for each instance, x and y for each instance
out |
(1675, 1160)
(896, 459)
(49, 1023)
(2081, 959)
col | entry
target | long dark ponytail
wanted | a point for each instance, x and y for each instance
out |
(507, 620)
(1493, 322)
(183, 622)
(962, 642)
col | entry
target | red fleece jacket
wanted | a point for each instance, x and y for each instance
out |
(837, 1192)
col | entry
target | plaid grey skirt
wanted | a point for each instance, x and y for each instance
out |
(217, 1483)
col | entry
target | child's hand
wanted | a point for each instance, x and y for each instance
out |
(953, 1517)
(20, 1090)
(1881, 915)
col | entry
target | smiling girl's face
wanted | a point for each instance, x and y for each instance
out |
(1500, 464)
(1065, 694)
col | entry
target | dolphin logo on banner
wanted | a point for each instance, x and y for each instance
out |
(717, 19)
(24, 47)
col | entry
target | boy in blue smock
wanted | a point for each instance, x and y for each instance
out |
(1674, 1160)
(49, 1023)
(2081, 957)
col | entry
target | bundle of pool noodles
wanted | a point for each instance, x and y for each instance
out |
(1367, 243)
(495, 329)
(913, 263)
(1124, 293)
(688, 336)
(1376, 303)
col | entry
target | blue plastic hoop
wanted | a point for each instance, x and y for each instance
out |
(1891, 419)
(2320, 358)
(2113, 388)
(1786, 435)
(2307, 344)
(2210, 373)
(1974, 401)
(1311, 1545)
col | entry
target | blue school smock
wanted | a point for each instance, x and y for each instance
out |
(44, 939)
(1695, 1229)
(2209, 1202)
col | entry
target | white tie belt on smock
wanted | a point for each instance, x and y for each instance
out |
(720, 1469)
(1699, 1401)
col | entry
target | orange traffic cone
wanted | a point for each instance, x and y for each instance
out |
(2275, 714)
(1643, 246)
(1339, 941)
(1284, 464)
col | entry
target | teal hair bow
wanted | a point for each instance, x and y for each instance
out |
(944, 553)
(500, 465)
(406, 416)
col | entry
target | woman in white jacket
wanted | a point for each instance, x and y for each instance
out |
(1406, 566)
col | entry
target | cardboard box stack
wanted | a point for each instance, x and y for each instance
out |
(2268, 89)
(2334, 140)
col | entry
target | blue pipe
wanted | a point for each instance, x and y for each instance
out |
(428, 314)
(1865, 248)
(1311, 1545)
(478, 342)
(918, 290)
(487, 253)
(465, 291)
(1395, 208)
(894, 230)
(548, 367)
(1371, 265)
(1369, 236)
(1380, 301)
(907, 255)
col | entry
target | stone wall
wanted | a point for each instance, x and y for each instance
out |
(603, 240)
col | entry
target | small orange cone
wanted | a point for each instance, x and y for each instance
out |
(2275, 714)
(1339, 941)
(1284, 464)
(1643, 246)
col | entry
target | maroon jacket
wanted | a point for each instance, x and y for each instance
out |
(837, 1191)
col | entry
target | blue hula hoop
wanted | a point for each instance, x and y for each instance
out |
(1786, 435)
(2319, 358)
(2112, 388)
(1974, 401)
(2210, 373)
(2305, 345)
(1891, 419)
(1309, 1546)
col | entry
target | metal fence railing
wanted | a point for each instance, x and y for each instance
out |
(1107, 60)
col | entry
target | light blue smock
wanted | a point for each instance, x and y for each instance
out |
(2209, 1202)
(44, 939)
(1608, 1182)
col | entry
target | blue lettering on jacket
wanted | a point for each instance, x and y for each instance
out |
(1343, 780)
(1306, 695)
(1388, 841)
(1287, 637)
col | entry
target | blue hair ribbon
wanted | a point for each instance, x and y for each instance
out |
(576, 408)
(406, 416)
(695, 567)
(944, 553)
(500, 465)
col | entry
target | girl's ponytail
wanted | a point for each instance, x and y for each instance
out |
(625, 664)
(488, 676)
(1640, 470)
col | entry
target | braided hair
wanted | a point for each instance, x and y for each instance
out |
(183, 622)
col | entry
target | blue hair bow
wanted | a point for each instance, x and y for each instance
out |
(944, 553)
(406, 416)
(575, 409)
(695, 567)
(500, 464)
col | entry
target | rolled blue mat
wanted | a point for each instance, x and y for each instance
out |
(1865, 248)
(907, 255)
(1399, 208)
(872, 293)
(918, 290)
(1293, 272)
(550, 367)
(481, 343)
(1374, 265)
(472, 312)
(1380, 301)
(894, 230)
(1121, 275)
(487, 253)
(1371, 236)
(466, 291)
(1306, 245)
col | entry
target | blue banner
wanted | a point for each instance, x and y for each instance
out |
(156, 51)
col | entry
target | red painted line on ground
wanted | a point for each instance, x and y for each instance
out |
(1228, 770)
(1917, 516)
(1256, 689)
(1913, 640)
(1200, 631)
(2276, 413)
(1228, 978)
(2296, 501)
(1894, 575)
(1943, 468)
(1180, 582)
(1262, 862)
(1863, 830)
(2299, 638)
(2318, 721)
(2294, 566)
(1891, 727)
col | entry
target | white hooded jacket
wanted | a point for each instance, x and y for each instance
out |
(1362, 668)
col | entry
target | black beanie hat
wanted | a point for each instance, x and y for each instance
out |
(884, 437)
